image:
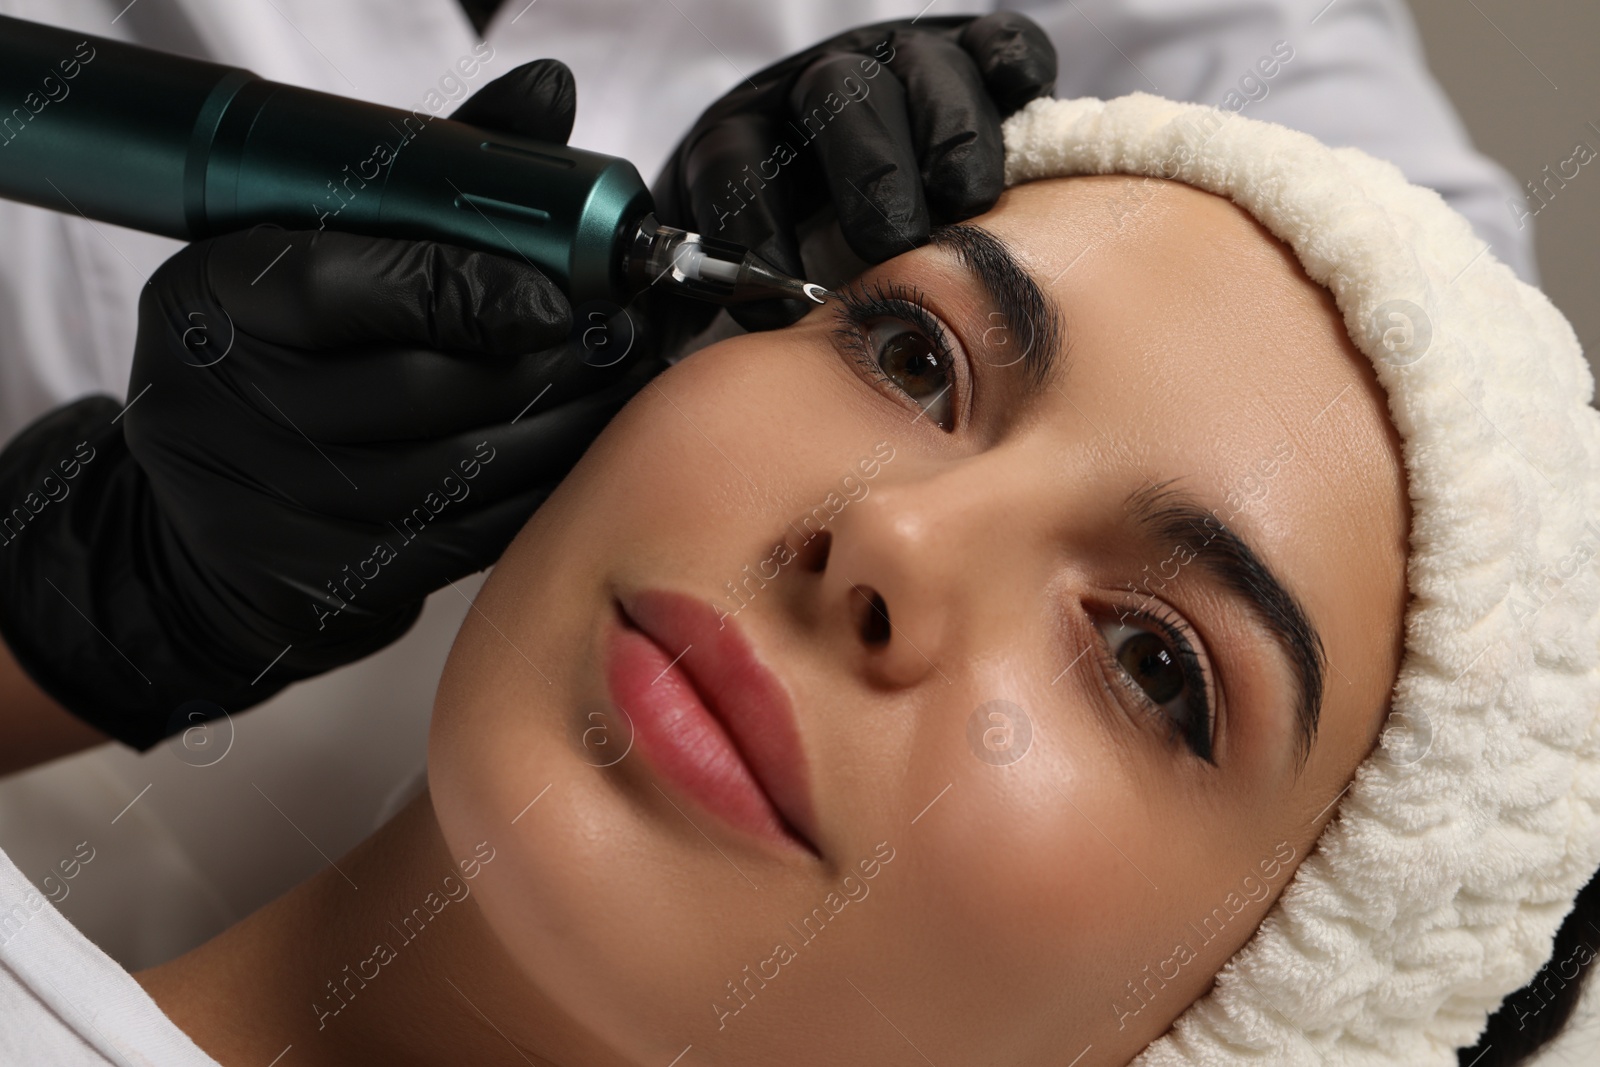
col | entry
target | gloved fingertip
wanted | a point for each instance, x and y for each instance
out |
(538, 99)
(967, 177)
(1014, 56)
(550, 82)
(962, 194)
(879, 231)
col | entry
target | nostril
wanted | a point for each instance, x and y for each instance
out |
(873, 617)
(813, 554)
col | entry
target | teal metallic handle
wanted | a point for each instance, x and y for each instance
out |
(187, 149)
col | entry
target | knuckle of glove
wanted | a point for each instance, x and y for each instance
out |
(873, 172)
(271, 276)
(879, 40)
(956, 125)
(825, 76)
(177, 287)
(476, 301)
(182, 323)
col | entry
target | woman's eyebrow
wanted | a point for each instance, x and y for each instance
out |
(1012, 290)
(1172, 516)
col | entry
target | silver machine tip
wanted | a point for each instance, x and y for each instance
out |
(708, 269)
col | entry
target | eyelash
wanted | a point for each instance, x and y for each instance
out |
(1195, 674)
(860, 304)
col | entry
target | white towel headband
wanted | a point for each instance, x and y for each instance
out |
(1439, 885)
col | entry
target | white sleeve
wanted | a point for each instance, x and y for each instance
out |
(1357, 77)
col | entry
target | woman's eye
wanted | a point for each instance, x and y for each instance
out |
(888, 329)
(1162, 668)
(913, 363)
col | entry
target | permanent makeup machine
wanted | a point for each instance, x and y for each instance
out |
(188, 149)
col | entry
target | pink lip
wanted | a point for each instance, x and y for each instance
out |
(708, 716)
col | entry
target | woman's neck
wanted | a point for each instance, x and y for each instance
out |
(383, 958)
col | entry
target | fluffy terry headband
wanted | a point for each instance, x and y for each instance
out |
(1438, 887)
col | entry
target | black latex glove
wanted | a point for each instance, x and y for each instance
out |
(320, 433)
(908, 138)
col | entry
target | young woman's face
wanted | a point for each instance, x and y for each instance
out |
(1047, 771)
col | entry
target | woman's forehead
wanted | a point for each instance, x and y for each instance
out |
(1196, 331)
(1188, 316)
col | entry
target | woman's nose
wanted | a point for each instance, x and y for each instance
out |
(899, 572)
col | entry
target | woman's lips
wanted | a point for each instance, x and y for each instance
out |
(708, 716)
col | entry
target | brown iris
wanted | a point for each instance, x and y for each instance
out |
(1146, 659)
(911, 355)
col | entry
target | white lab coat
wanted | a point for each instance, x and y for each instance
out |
(204, 842)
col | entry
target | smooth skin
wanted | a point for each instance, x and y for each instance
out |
(1022, 901)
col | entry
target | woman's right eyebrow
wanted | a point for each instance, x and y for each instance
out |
(1171, 516)
(1012, 290)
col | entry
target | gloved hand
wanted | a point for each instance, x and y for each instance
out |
(322, 429)
(898, 123)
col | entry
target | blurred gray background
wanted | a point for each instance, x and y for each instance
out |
(1525, 77)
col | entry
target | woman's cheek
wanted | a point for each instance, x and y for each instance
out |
(783, 407)
(1027, 895)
